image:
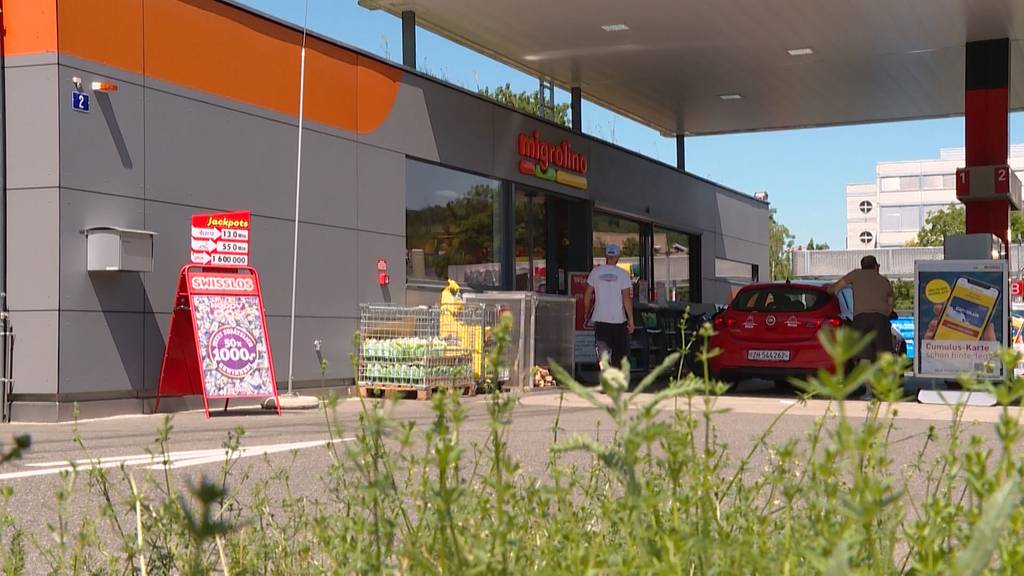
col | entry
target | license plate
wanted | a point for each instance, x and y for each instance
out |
(768, 355)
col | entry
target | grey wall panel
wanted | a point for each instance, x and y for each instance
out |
(408, 128)
(381, 190)
(81, 290)
(329, 183)
(102, 150)
(462, 126)
(32, 127)
(101, 351)
(740, 218)
(35, 352)
(204, 155)
(336, 336)
(326, 284)
(172, 223)
(155, 328)
(391, 248)
(34, 249)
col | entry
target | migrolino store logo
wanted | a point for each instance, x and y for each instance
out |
(558, 163)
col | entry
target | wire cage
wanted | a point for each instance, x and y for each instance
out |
(421, 347)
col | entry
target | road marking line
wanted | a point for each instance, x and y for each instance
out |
(170, 461)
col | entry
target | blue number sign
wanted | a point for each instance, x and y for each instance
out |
(80, 101)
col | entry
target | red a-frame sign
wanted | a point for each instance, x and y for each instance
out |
(218, 344)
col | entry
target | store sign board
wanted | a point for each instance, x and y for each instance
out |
(220, 239)
(585, 344)
(961, 314)
(558, 163)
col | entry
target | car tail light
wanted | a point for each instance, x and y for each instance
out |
(834, 322)
(724, 321)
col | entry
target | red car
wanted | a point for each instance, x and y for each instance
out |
(770, 331)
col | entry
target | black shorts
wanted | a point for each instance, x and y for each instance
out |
(612, 339)
(881, 327)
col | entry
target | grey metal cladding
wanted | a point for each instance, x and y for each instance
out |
(326, 284)
(102, 150)
(217, 158)
(34, 252)
(408, 128)
(96, 291)
(329, 183)
(101, 351)
(35, 355)
(381, 197)
(460, 125)
(32, 123)
(392, 249)
(335, 335)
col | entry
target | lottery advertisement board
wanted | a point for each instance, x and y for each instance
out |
(220, 239)
(961, 318)
(230, 336)
(218, 345)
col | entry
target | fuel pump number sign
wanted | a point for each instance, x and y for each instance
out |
(220, 239)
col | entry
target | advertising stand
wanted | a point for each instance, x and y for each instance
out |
(961, 313)
(218, 345)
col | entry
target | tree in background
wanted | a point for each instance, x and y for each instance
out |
(902, 295)
(953, 220)
(631, 247)
(780, 247)
(529, 102)
(819, 246)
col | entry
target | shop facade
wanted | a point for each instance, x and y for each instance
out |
(436, 181)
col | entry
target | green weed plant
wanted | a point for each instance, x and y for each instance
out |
(658, 493)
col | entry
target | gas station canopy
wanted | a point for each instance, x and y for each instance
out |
(711, 67)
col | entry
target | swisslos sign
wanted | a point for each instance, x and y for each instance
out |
(555, 162)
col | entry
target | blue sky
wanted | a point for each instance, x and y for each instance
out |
(805, 172)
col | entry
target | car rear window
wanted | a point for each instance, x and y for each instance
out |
(780, 299)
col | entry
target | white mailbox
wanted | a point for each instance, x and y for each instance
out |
(114, 249)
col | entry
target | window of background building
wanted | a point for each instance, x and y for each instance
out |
(932, 182)
(866, 237)
(949, 181)
(865, 207)
(672, 262)
(900, 218)
(889, 184)
(910, 182)
(928, 209)
(452, 224)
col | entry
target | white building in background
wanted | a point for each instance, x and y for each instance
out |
(889, 211)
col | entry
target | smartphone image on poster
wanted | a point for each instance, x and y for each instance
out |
(967, 311)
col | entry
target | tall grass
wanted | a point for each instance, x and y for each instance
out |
(659, 493)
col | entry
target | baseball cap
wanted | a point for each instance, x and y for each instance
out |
(612, 250)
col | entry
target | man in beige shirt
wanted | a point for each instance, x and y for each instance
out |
(872, 305)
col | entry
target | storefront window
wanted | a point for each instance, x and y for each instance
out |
(531, 241)
(452, 223)
(672, 264)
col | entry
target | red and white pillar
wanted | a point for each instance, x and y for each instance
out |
(983, 185)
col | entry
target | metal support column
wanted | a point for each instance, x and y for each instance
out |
(409, 38)
(986, 122)
(546, 90)
(507, 240)
(576, 106)
(680, 153)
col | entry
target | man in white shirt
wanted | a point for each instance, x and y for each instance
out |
(610, 291)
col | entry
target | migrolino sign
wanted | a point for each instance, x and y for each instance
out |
(555, 162)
